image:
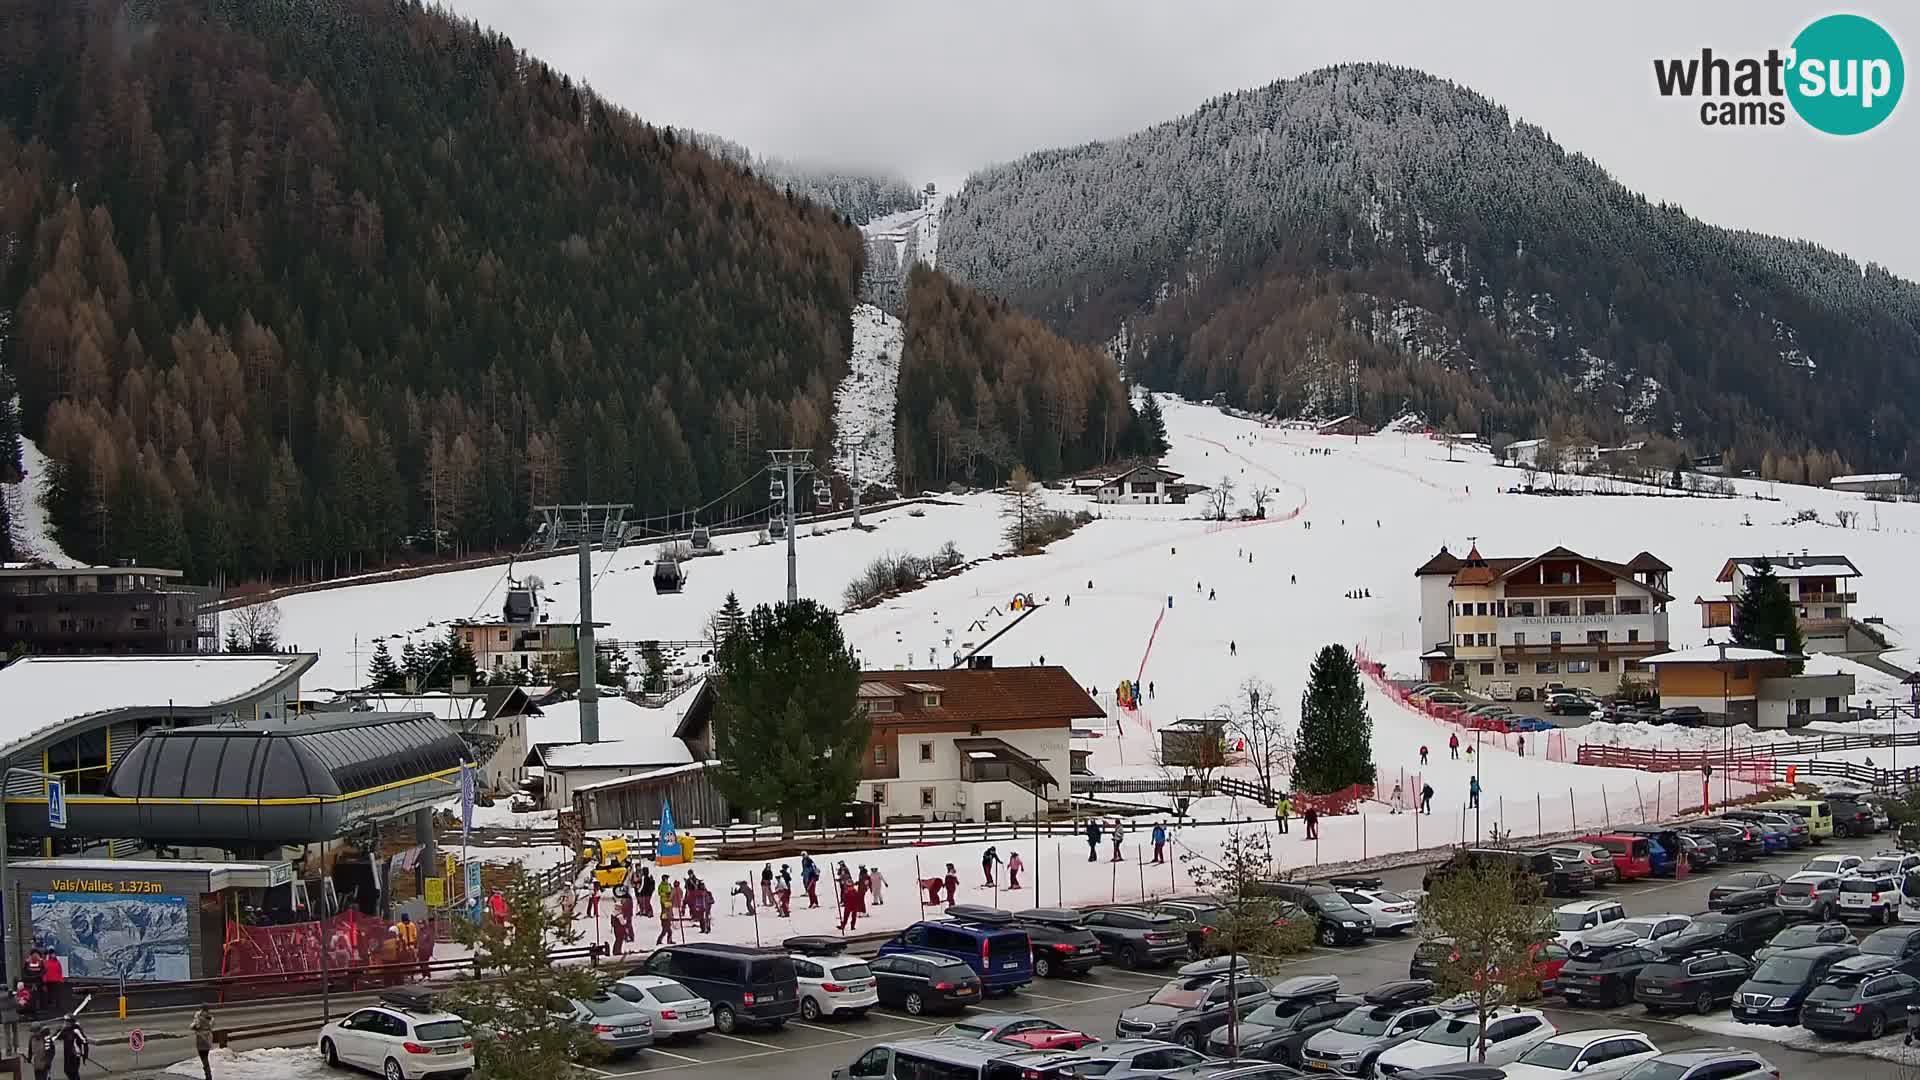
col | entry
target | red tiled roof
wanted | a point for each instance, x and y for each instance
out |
(984, 694)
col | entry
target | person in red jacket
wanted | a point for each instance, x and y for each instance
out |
(55, 977)
(952, 882)
(1453, 746)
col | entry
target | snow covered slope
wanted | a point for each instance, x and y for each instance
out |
(32, 532)
(863, 403)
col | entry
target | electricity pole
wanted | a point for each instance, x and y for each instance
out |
(795, 463)
(589, 669)
(856, 443)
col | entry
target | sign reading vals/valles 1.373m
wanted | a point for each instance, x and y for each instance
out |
(99, 885)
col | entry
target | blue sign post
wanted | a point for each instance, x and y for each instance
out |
(474, 899)
(56, 803)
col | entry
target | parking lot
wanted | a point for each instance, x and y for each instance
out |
(1093, 1003)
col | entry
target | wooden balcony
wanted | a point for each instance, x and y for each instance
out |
(1549, 650)
(1829, 598)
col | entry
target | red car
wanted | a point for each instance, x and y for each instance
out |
(1050, 1039)
(1632, 855)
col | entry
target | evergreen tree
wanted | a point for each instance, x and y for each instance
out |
(544, 1044)
(655, 677)
(413, 664)
(435, 659)
(382, 672)
(790, 731)
(1763, 616)
(1153, 428)
(1336, 734)
(727, 619)
(460, 659)
(234, 642)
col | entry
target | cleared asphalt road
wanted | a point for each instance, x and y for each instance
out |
(1092, 1004)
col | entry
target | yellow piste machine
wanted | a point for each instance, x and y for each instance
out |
(609, 859)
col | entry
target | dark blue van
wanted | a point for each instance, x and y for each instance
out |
(988, 942)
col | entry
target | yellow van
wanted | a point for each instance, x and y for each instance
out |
(1818, 815)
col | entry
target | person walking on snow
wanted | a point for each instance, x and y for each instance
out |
(810, 879)
(1283, 810)
(1093, 840)
(1014, 866)
(877, 882)
(849, 906)
(1399, 798)
(1423, 757)
(1426, 799)
(766, 884)
(1312, 818)
(1210, 594)
(1159, 843)
(666, 913)
(1233, 648)
(988, 859)
(1523, 745)
(1118, 831)
(1149, 689)
(952, 882)
(1473, 793)
(1453, 746)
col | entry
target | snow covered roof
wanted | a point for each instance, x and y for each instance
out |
(1523, 444)
(650, 774)
(1711, 654)
(621, 753)
(620, 719)
(1867, 478)
(1157, 471)
(1792, 566)
(45, 691)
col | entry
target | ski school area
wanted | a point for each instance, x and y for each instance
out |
(1161, 615)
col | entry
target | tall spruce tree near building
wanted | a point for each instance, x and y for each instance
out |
(790, 730)
(460, 662)
(413, 664)
(1153, 427)
(518, 950)
(1336, 734)
(382, 672)
(1764, 617)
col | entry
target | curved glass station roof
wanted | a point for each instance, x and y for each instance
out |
(356, 754)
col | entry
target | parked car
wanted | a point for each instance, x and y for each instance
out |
(1798, 835)
(1850, 816)
(1638, 930)
(1278, 1029)
(1388, 911)
(1510, 1032)
(1875, 899)
(1428, 955)
(621, 1027)
(1900, 945)
(1664, 853)
(1738, 841)
(1188, 1008)
(1698, 982)
(382, 1039)
(1335, 921)
(1774, 992)
(1062, 943)
(1774, 837)
(1747, 889)
(1806, 895)
(1055, 1038)
(1801, 935)
(1604, 976)
(1632, 855)
(1241, 1069)
(676, 1011)
(1135, 1059)
(1523, 693)
(1598, 859)
(1864, 1003)
(1570, 876)
(1201, 918)
(831, 983)
(1707, 1063)
(1686, 715)
(955, 1058)
(1892, 863)
(1740, 932)
(989, 943)
(748, 986)
(1573, 922)
(1389, 1015)
(1837, 865)
(991, 1027)
(1537, 866)
(1136, 938)
(918, 983)
(1597, 1054)
(1700, 852)
(1569, 705)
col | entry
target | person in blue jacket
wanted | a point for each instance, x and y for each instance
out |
(1159, 843)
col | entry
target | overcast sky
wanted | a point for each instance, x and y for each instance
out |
(934, 91)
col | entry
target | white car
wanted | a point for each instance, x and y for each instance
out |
(1573, 922)
(831, 985)
(1454, 1039)
(402, 1038)
(1638, 930)
(1391, 912)
(1837, 865)
(676, 1010)
(1896, 863)
(1589, 1055)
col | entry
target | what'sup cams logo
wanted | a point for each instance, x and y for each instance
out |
(1842, 76)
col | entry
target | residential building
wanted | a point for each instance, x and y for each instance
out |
(968, 744)
(1497, 625)
(1735, 685)
(1345, 425)
(522, 638)
(1142, 484)
(571, 766)
(1197, 742)
(1891, 485)
(103, 609)
(1522, 452)
(1821, 588)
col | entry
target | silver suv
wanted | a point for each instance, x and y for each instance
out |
(1388, 1016)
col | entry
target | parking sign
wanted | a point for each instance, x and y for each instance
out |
(56, 804)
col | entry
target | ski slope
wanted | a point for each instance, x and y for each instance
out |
(863, 402)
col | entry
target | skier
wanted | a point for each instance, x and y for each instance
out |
(988, 860)
(1473, 793)
(1233, 648)
(1423, 756)
(41, 1053)
(1453, 746)
(1210, 594)
(1149, 689)
(1523, 745)
(1399, 799)
(1014, 866)
(74, 1048)
(666, 912)
(849, 906)
(952, 883)
(1118, 831)
(878, 883)
(1093, 840)
(1426, 799)
(810, 879)
(1293, 579)
(1159, 843)
(1312, 818)
(766, 884)
(1283, 810)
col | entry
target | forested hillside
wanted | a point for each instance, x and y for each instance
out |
(1375, 225)
(858, 196)
(292, 281)
(984, 388)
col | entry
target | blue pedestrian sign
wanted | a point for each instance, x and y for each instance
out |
(56, 804)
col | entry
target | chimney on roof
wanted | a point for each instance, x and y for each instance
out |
(980, 663)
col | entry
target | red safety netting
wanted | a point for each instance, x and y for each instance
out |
(361, 950)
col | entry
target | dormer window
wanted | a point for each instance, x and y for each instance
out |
(931, 701)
